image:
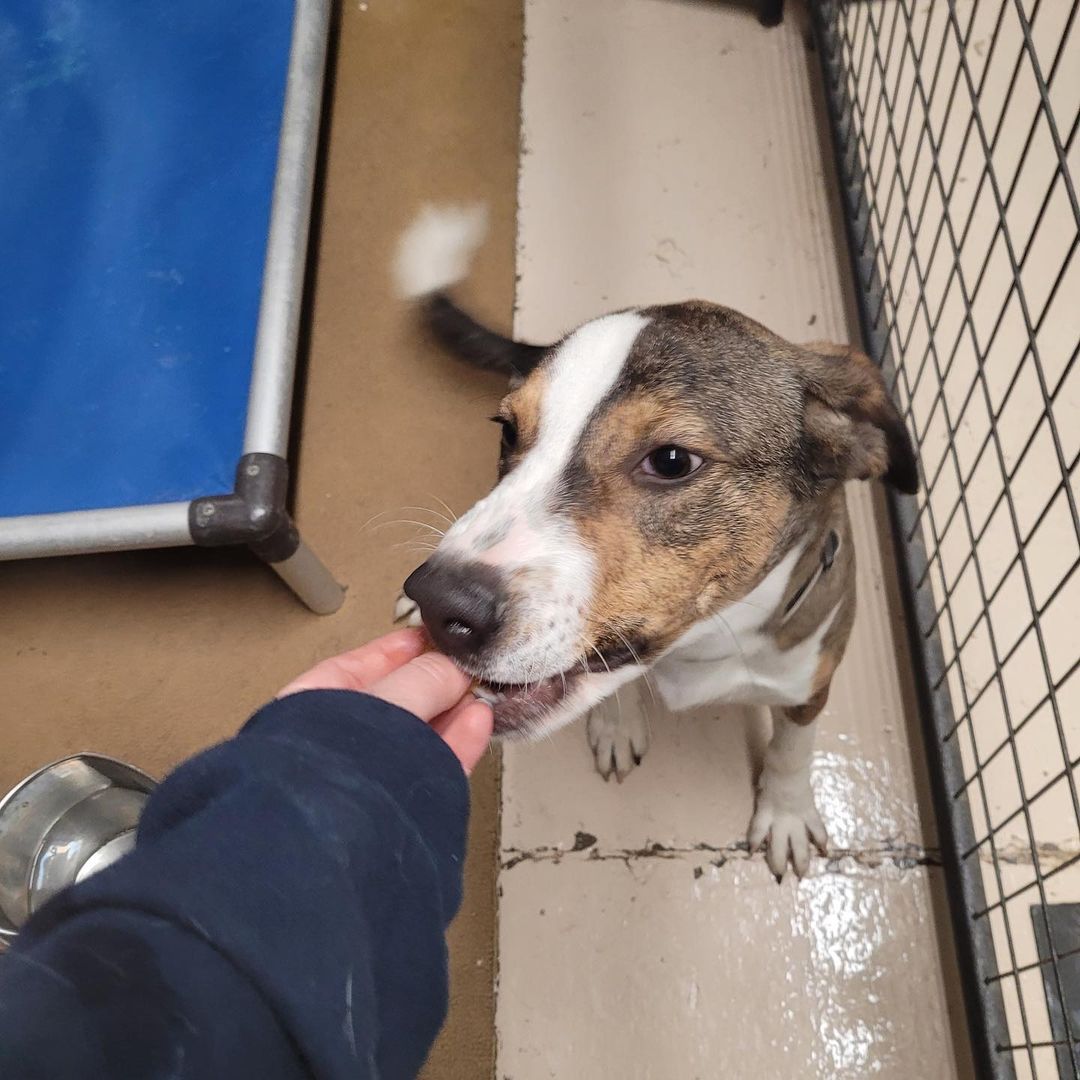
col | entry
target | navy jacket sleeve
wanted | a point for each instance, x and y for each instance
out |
(282, 915)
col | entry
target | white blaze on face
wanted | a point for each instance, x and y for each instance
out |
(548, 568)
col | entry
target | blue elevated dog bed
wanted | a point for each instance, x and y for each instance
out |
(155, 191)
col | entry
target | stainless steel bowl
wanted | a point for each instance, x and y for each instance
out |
(62, 824)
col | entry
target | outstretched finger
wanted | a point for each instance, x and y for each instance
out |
(360, 668)
(427, 686)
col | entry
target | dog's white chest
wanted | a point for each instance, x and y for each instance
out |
(726, 658)
(750, 670)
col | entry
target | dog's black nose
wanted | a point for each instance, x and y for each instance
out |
(460, 604)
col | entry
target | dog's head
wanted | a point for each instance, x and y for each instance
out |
(655, 464)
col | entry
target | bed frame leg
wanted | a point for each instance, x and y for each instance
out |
(255, 514)
(312, 582)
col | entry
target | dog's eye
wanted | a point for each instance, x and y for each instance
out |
(509, 432)
(670, 463)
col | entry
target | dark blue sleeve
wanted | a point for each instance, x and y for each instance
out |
(282, 915)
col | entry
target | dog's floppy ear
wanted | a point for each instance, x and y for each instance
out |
(459, 332)
(851, 428)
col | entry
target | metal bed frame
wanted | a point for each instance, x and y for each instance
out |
(255, 512)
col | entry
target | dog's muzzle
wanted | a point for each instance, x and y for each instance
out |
(466, 608)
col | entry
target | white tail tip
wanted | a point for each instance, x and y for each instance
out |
(436, 249)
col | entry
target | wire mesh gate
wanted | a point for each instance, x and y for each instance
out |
(955, 130)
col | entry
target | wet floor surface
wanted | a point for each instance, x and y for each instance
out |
(672, 150)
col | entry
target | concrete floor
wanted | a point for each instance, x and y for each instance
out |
(673, 150)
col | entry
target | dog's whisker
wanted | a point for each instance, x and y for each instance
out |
(583, 662)
(371, 520)
(747, 603)
(410, 521)
(592, 645)
(445, 505)
(618, 701)
(738, 646)
(429, 510)
(637, 660)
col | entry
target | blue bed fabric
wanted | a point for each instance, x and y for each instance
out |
(138, 142)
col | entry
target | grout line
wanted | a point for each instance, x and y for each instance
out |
(1019, 853)
(838, 860)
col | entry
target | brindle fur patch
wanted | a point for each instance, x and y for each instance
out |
(667, 555)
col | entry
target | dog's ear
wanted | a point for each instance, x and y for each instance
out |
(851, 428)
(462, 335)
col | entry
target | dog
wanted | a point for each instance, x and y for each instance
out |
(670, 500)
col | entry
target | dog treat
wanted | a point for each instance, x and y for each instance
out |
(430, 646)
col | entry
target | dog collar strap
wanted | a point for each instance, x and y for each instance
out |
(828, 557)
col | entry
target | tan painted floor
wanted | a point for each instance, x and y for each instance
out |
(152, 656)
(673, 150)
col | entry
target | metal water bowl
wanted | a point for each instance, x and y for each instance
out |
(65, 822)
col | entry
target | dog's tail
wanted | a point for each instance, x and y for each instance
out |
(434, 254)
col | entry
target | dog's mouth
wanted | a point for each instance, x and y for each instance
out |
(519, 707)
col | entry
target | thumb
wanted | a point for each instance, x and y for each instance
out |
(427, 686)
(466, 729)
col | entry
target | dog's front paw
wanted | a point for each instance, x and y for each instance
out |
(618, 739)
(787, 822)
(407, 612)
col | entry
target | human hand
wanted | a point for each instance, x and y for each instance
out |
(396, 669)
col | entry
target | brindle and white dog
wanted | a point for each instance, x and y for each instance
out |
(670, 500)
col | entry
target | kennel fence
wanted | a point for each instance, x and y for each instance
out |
(954, 126)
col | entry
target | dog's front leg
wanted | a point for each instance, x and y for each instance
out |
(618, 733)
(785, 817)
